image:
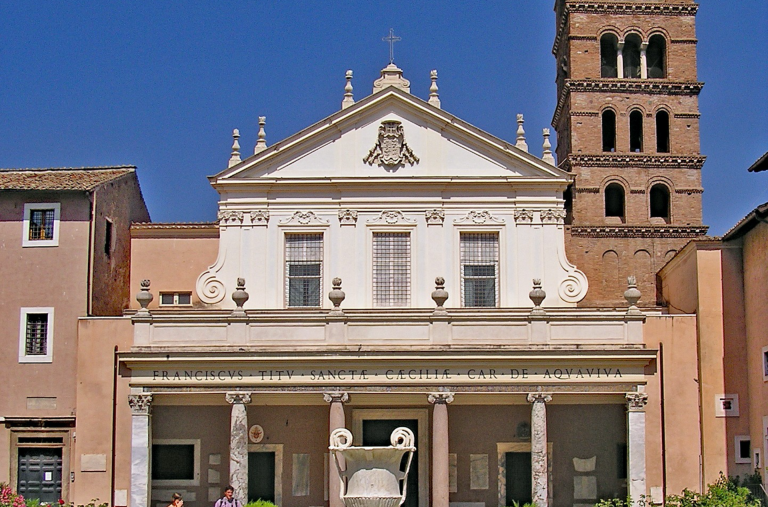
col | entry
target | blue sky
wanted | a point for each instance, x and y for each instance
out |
(162, 84)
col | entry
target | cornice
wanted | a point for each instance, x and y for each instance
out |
(633, 160)
(626, 231)
(648, 86)
(199, 229)
(667, 8)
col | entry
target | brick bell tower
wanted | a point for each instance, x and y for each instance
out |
(627, 122)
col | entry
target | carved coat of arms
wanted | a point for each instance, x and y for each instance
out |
(391, 149)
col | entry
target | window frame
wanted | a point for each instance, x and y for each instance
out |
(180, 482)
(284, 264)
(29, 207)
(392, 230)
(765, 363)
(738, 457)
(48, 356)
(500, 242)
(175, 298)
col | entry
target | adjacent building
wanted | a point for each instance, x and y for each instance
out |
(65, 255)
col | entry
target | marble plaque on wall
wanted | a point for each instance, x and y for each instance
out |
(213, 494)
(93, 463)
(41, 403)
(214, 476)
(121, 498)
(452, 473)
(478, 471)
(214, 459)
(300, 475)
(585, 487)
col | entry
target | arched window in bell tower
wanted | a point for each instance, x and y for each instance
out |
(662, 132)
(609, 130)
(631, 55)
(660, 201)
(656, 57)
(614, 200)
(636, 131)
(609, 45)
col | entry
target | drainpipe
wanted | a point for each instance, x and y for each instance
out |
(115, 365)
(91, 236)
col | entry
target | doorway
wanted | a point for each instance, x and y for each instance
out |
(39, 473)
(518, 475)
(374, 427)
(261, 476)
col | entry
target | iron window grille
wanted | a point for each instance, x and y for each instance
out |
(41, 224)
(479, 269)
(303, 269)
(37, 334)
(175, 298)
(391, 269)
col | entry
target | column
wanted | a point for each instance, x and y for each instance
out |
(539, 465)
(643, 61)
(440, 465)
(620, 60)
(337, 399)
(636, 444)
(141, 443)
(238, 444)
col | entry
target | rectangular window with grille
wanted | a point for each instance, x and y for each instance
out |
(303, 269)
(37, 334)
(41, 224)
(479, 268)
(391, 269)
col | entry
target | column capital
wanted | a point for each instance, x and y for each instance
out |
(241, 397)
(540, 397)
(336, 396)
(636, 402)
(141, 404)
(441, 398)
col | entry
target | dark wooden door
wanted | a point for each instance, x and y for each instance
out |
(376, 432)
(261, 476)
(519, 483)
(40, 474)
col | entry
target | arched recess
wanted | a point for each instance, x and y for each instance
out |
(610, 271)
(668, 256)
(609, 130)
(660, 202)
(614, 200)
(631, 56)
(636, 131)
(662, 131)
(642, 266)
(609, 50)
(656, 56)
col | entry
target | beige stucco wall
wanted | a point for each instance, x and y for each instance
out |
(171, 261)
(755, 258)
(97, 340)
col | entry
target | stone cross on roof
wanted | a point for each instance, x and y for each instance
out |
(391, 38)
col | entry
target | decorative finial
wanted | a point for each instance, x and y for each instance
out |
(440, 295)
(520, 143)
(348, 99)
(261, 143)
(391, 38)
(240, 296)
(434, 99)
(537, 295)
(235, 157)
(144, 297)
(336, 296)
(632, 295)
(547, 156)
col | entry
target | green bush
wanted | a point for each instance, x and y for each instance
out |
(260, 503)
(723, 493)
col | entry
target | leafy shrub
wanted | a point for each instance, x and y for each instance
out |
(723, 493)
(260, 503)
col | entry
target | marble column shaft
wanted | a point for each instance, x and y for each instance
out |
(636, 444)
(141, 443)
(337, 420)
(238, 444)
(539, 464)
(440, 455)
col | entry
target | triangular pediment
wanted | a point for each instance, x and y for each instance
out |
(391, 134)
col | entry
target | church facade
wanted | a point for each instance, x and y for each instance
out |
(392, 265)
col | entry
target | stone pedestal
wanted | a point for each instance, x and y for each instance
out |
(539, 465)
(238, 444)
(636, 444)
(337, 420)
(440, 458)
(141, 443)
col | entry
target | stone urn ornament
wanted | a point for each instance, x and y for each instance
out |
(240, 296)
(632, 294)
(336, 296)
(440, 295)
(144, 297)
(537, 295)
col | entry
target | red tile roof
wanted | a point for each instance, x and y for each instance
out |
(63, 178)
